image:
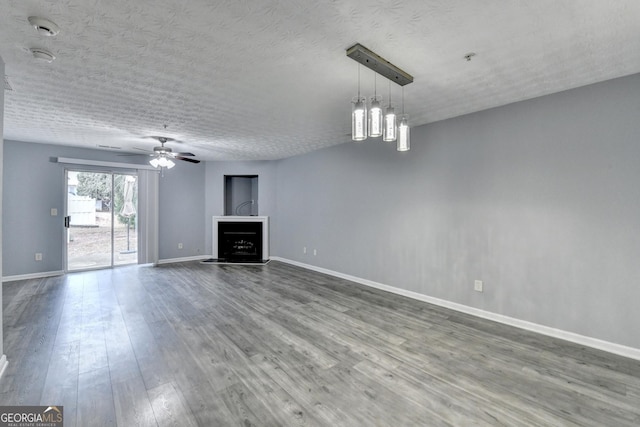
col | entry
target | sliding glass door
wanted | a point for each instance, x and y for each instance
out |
(101, 220)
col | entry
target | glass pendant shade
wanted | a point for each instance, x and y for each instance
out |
(389, 128)
(154, 162)
(359, 119)
(375, 118)
(404, 136)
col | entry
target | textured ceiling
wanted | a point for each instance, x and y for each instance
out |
(268, 79)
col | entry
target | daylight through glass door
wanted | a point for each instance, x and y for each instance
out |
(101, 220)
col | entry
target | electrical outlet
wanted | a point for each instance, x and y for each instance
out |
(180, 246)
(315, 252)
(38, 256)
(304, 249)
(54, 212)
(478, 286)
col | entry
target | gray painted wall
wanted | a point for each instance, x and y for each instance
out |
(182, 211)
(33, 184)
(539, 199)
(214, 198)
(238, 191)
(1, 201)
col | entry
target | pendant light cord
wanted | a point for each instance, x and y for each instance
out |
(403, 100)
(375, 85)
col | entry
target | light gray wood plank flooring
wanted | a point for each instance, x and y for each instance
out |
(221, 345)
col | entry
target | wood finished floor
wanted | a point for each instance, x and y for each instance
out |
(276, 345)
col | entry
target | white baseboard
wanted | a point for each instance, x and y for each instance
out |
(185, 259)
(32, 276)
(621, 350)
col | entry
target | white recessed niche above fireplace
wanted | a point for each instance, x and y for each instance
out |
(247, 241)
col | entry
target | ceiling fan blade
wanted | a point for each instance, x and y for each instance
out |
(143, 152)
(186, 159)
(162, 139)
(185, 154)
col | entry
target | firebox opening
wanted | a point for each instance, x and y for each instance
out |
(240, 241)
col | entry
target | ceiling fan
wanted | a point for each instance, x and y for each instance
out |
(163, 156)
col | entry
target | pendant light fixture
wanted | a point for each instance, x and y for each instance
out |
(378, 125)
(359, 116)
(375, 112)
(404, 135)
(389, 129)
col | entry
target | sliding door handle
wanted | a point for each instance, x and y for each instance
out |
(67, 221)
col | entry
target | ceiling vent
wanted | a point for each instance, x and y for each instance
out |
(7, 85)
(43, 26)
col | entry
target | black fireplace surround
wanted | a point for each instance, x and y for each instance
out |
(240, 241)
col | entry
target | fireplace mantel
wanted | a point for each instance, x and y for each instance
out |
(236, 218)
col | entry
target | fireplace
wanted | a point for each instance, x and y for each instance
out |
(239, 241)
(240, 238)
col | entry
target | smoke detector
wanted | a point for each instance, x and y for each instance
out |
(42, 54)
(43, 26)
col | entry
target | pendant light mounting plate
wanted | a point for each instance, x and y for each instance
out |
(372, 60)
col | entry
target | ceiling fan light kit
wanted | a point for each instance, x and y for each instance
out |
(163, 156)
(162, 162)
(375, 124)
